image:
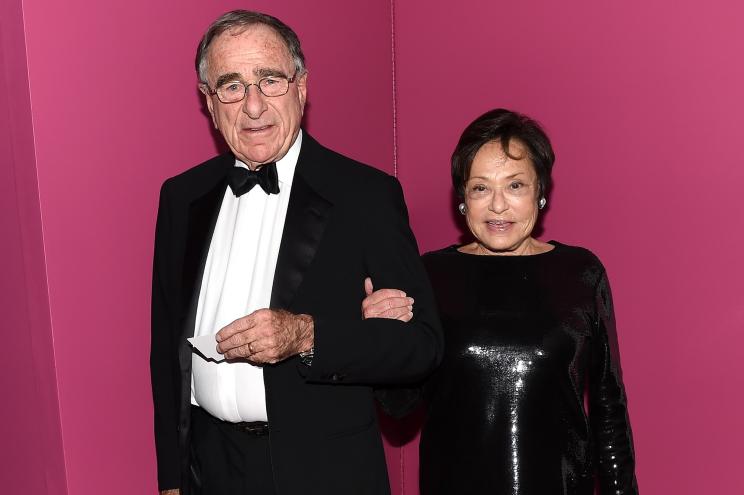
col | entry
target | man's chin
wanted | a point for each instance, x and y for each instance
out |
(254, 158)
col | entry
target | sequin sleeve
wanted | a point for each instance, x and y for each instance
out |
(611, 432)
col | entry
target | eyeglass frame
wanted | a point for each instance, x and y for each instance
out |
(247, 85)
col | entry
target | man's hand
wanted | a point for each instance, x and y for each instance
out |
(386, 303)
(175, 491)
(267, 336)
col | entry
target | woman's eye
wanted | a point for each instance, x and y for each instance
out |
(516, 185)
(478, 191)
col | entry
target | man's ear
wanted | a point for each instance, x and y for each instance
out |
(210, 102)
(302, 89)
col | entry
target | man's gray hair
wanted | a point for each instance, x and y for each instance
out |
(243, 19)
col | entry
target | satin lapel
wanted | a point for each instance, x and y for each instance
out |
(307, 215)
(203, 214)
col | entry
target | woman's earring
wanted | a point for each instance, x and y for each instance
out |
(541, 204)
(461, 207)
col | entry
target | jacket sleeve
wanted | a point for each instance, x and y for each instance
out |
(612, 437)
(399, 402)
(163, 358)
(383, 351)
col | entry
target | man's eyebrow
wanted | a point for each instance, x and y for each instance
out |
(232, 76)
(267, 72)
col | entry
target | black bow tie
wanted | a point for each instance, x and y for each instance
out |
(242, 180)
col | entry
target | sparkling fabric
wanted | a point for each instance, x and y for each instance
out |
(527, 339)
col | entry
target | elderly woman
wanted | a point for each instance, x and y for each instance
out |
(529, 398)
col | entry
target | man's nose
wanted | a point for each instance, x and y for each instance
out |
(254, 103)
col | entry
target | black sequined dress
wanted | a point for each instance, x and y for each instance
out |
(527, 339)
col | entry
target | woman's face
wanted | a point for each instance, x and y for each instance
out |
(501, 199)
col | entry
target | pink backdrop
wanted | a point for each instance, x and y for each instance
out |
(642, 99)
(644, 103)
(31, 460)
(102, 142)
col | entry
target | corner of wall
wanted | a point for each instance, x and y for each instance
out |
(31, 420)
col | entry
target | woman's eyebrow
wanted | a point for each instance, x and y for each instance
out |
(483, 177)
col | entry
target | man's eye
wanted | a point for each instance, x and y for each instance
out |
(233, 87)
(270, 81)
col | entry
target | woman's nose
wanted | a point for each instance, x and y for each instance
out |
(498, 201)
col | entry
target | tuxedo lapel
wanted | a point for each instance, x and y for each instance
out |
(307, 215)
(203, 213)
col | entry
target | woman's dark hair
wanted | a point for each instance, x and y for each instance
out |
(503, 126)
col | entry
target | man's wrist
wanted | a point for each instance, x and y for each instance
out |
(307, 333)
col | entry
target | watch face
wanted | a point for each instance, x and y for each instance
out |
(306, 357)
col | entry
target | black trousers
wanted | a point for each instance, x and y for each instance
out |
(227, 461)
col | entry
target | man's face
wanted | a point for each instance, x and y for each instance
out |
(259, 129)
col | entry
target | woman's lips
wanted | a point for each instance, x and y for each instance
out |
(499, 225)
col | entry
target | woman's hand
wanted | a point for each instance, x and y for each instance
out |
(386, 303)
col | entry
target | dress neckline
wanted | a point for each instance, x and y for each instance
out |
(455, 248)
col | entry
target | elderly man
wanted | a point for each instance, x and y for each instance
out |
(275, 274)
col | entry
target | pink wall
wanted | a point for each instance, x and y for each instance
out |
(644, 103)
(104, 141)
(642, 100)
(31, 459)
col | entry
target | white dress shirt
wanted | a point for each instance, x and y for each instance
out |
(238, 278)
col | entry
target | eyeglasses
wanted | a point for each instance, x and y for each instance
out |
(235, 91)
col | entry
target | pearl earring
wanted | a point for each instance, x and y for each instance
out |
(541, 204)
(461, 207)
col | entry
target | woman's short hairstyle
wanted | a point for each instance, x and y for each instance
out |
(503, 126)
(243, 19)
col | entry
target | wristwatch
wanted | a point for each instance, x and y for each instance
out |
(306, 357)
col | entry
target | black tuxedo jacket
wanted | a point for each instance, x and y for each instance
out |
(345, 221)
